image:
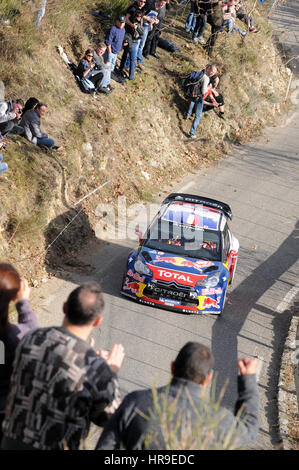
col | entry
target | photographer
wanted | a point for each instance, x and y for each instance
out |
(134, 34)
(3, 166)
(10, 111)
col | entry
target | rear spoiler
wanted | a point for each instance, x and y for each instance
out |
(200, 200)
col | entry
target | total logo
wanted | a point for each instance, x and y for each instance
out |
(173, 276)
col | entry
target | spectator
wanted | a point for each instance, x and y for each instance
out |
(158, 9)
(59, 383)
(30, 104)
(12, 289)
(229, 16)
(3, 165)
(103, 68)
(149, 18)
(192, 17)
(214, 94)
(114, 41)
(215, 19)
(201, 21)
(196, 104)
(31, 124)
(243, 16)
(87, 71)
(134, 30)
(191, 372)
(211, 100)
(130, 30)
(10, 111)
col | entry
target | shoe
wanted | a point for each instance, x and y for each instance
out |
(188, 30)
(155, 55)
(146, 57)
(186, 117)
(195, 40)
(56, 148)
(222, 116)
(192, 136)
(243, 34)
(104, 90)
(141, 66)
(253, 30)
(111, 88)
(201, 40)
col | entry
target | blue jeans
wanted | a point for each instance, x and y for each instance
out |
(112, 59)
(145, 30)
(3, 166)
(190, 22)
(106, 79)
(200, 26)
(198, 103)
(45, 141)
(231, 25)
(131, 58)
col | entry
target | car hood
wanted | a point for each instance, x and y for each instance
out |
(171, 267)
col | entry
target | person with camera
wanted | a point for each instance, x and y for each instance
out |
(10, 112)
(87, 70)
(160, 7)
(134, 33)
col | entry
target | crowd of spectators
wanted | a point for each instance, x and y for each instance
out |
(53, 383)
(135, 34)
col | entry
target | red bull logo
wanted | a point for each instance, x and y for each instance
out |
(136, 288)
(208, 302)
(177, 261)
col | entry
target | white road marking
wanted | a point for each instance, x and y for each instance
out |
(284, 304)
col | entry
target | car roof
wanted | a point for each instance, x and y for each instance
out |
(197, 215)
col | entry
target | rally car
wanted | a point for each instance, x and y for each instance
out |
(187, 257)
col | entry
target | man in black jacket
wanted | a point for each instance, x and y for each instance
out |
(184, 407)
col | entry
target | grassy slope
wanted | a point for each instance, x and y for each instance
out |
(138, 128)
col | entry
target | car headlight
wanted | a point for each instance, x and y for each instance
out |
(209, 281)
(142, 268)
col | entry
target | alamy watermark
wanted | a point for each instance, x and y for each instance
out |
(178, 224)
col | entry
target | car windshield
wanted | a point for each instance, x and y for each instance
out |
(183, 239)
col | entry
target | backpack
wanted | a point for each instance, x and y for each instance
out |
(192, 85)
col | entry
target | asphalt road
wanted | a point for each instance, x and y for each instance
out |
(260, 182)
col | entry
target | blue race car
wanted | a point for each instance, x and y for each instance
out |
(186, 258)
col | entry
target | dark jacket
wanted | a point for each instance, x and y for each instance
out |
(26, 321)
(128, 427)
(58, 385)
(31, 125)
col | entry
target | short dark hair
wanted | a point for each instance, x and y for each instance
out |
(193, 362)
(85, 304)
(40, 105)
